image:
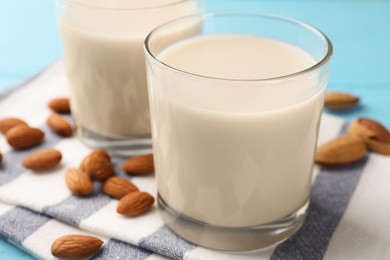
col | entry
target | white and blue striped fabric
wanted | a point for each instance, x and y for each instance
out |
(348, 216)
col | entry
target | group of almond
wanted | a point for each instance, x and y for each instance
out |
(363, 134)
(96, 166)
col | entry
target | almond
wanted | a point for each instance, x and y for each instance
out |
(75, 246)
(340, 100)
(342, 150)
(43, 159)
(380, 132)
(59, 125)
(139, 165)
(96, 153)
(355, 128)
(378, 146)
(60, 105)
(135, 203)
(8, 123)
(78, 182)
(118, 187)
(97, 167)
(22, 136)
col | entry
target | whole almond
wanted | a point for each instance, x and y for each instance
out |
(8, 123)
(139, 165)
(380, 132)
(59, 125)
(117, 187)
(22, 136)
(97, 167)
(342, 150)
(355, 128)
(60, 105)
(75, 246)
(96, 153)
(78, 182)
(340, 100)
(43, 159)
(378, 146)
(135, 203)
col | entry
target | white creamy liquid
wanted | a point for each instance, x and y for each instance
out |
(225, 155)
(103, 51)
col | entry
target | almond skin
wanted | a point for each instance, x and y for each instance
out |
(135, 203)
(42, 160)
(75, 246)
(22, 136)
(380, 132)
(139, 165)
(98, 168)
(60, 105)
(118, 187)
(340, 100)
(78, 182)
(342, 150)
(58, 124)
(8, 123)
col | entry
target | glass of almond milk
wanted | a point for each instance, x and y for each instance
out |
(235, 114)
(105, 65)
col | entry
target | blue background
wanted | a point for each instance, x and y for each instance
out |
(359, 30)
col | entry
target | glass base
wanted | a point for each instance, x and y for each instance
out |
(120, 146)
(232, 239)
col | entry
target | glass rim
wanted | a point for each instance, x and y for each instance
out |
(117, 9)
(317, 65)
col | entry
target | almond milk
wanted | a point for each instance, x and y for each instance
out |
(103, 52)
(233, 156)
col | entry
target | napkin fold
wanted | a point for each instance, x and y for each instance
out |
(347, 219)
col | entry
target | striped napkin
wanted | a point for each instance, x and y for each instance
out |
(348, 217)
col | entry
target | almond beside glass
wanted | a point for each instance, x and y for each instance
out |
(139, 165)
(60, 105)
(60, 125)
(78, 182)
(75, 246)
(375, 135)
(22, 136)
(9, 122)
(43, 159)
(340, 100)
(342, 150)
(118, 187)
(135, 203)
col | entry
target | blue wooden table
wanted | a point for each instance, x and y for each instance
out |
(359, 30)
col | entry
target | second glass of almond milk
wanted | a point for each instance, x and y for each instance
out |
(105, 65)
(235, 115)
